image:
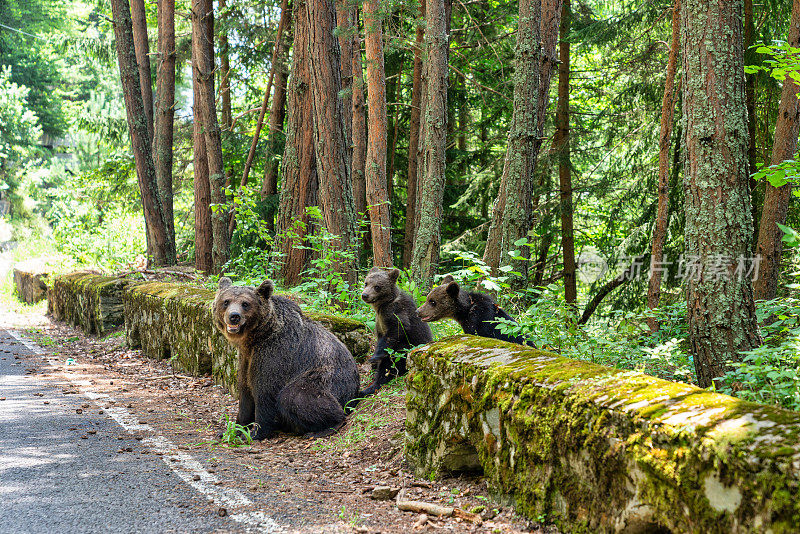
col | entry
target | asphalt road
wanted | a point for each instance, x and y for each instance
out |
(62, 471)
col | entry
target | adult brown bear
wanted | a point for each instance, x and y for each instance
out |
(294, 375)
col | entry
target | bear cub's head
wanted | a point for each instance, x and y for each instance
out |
(238, 310)
(380, 286)
(441, 301)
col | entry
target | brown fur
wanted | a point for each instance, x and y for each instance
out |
(293, 374)
(397, 325)
(476, 312)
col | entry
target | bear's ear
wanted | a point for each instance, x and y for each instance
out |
(394, 274)
(225, 282)
(374, 270)
(447, 279)
(265, 289)
(453, 289)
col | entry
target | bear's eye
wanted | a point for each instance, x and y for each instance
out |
(226, 303)
(432, 302)
(378, 288)
(245, 305)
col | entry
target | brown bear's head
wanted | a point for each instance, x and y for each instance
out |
(380, 286)
(239, 309)
(440, 302)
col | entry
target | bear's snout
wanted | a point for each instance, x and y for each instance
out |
(365, 297)
(235, 318)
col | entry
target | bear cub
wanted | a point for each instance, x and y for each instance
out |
(397, 325)
(475, 312)
(294, 375)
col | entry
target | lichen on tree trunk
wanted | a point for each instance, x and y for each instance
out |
(721, 311)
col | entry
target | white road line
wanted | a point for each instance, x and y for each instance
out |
(181, 463)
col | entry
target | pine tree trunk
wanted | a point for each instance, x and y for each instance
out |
(277, 116)
(164, 117)
(333, 167)
(359, 127)
(285, 16)
(496, 245)
(203, 34)
(203, 232)
(140, 136)
(413, 145)
(513, 222)
(776, 201)
(299, 183)
(425, 257)
(665, 142)
(721, 312)
(564, 163)
(142, 46)
(346, 13)
(375, 171)
(394, 128)
(225, 74)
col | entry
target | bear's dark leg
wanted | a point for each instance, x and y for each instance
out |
(247, 407)
(266, 419)
(305, 407)
(386, 368)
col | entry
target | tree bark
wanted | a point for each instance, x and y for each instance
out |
(299, 184)
(564, 163)
(203, 34)
(425, 257)
(225, 74)
(413, 145)
(776, 200)
(142, 45)
(665, 142)
(346, 13)
(333, 167)
(164, 118)
(203, 232)
(140, 136)
(721, 311)
(359, 127)
(265, 102)
(277, 116)
(514, 221)
(496, 246)
(625, 277)
(375, 171)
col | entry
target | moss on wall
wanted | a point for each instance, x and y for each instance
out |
(597, 449)
(88, 300)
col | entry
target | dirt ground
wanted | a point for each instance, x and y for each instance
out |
(308, 485)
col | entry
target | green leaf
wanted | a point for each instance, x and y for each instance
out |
(491, 286)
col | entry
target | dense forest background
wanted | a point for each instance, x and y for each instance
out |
(546, 151)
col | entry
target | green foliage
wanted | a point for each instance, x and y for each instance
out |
(235, 435)
(96, 217)
(770, 373)
(252, 250)
(324, 280)
(19, 132)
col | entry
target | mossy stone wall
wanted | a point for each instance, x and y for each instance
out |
(30, 285)
(597, 449)
(88, 300)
